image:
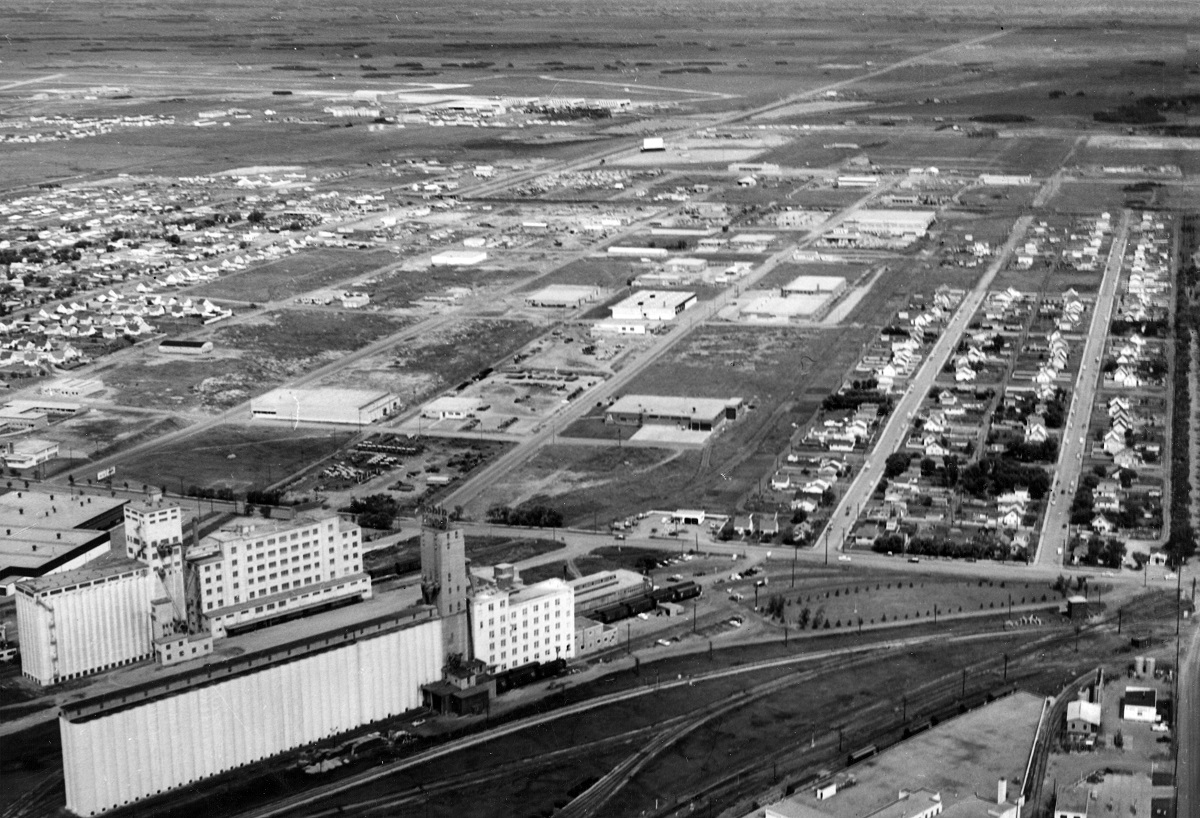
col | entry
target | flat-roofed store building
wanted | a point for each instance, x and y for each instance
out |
(458, 258)
(325, 405)
(695, 414)
(252, 570)
(653, 305)
(515, 626)
(122, 747)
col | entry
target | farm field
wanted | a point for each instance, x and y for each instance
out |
(289, 277)
(252, 456)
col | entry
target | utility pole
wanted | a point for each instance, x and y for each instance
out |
(964, 684)
(827, 546)
(1006, 667)
(628, 631)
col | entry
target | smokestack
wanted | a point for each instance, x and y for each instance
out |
(1002, 791)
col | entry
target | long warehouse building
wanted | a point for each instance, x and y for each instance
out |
(125, 746)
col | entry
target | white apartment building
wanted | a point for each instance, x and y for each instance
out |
(260, 569)
(515, 626)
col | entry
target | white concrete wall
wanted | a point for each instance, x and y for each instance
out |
(130, 754)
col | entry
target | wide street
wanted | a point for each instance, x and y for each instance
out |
(1187, 735)
(1073, 445)
(889, 440)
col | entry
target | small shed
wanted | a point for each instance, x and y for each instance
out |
(1077, 608)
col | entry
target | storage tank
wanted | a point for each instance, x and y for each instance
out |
(1139, 665)
(1151, 662)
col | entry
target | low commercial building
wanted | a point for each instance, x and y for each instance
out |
(515, 626)
(325, 405)
(28, 452)
(458, 258)
(638, 252)
(450, 407)
(695, 414)
(562, 296)
(180, 346)
(73, 387)
(653, 305)
(1140, 704)
(245, 709)
(1005, 179)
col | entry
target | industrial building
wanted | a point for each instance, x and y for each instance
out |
(445, 583)
(593, 637)
(164, 598)
(125, 746)
(514, 625)
(652, 305)
(253, 570)
(84, 621)
(775, 308)
(48, 533)
(638, 252)
(815, 285)
(325, 405)
(562, 296)
(893, 223)
(181, 346)
(695, 414)
(606, 587)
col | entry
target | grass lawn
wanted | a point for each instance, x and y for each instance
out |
(289, 277)
(262, 455)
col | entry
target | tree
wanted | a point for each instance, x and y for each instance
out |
(896, 464)
(805, 616)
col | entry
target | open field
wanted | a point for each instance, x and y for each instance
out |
(400, 288)
(441, 358)
(289, 277)
(233, 457)
(304, 335)
(211, 383)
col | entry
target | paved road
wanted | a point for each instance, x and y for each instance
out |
(1073, 445)
(892, 436)
(1187, 735)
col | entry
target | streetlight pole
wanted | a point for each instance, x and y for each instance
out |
(827, 546)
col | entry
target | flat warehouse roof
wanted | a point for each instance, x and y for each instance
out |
(17, 550)
(288, 401)
(814, 284)
(57, 509)
(920, 217)
(672, 407)
(655, 298)
(562, 293)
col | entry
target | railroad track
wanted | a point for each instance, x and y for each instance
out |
(43, 799)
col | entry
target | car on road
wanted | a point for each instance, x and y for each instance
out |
(843, 558)
(1171, 575)
(914, 559)
(619, 536)
(663, 642)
